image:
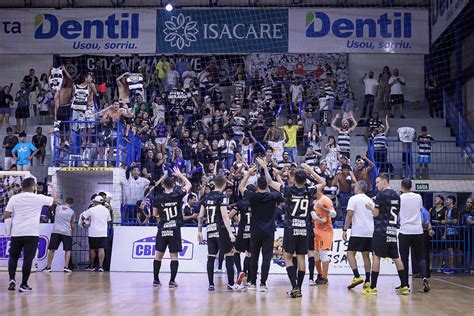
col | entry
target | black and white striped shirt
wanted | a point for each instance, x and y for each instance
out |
(380, 142)
(344, 141)
(424, 145)
(267, 91)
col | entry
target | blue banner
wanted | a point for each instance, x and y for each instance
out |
(222, 31)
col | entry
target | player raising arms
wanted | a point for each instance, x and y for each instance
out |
(384, 240)
(299, 202)
(167, 205)
(362, 230)
(219, 233)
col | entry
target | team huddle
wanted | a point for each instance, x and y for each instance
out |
(308, 229)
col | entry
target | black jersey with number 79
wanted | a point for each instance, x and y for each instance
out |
(169, 207)
(299, 202)
(386, 223)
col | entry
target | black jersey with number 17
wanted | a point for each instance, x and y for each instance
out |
(385, 224)
(169, 207)
(212, 202)
(299, 202)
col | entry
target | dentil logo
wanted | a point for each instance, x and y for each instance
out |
(180, 31)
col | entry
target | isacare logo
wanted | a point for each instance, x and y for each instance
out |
(116, 28)
(181, 31)
(43, 243)
(145, 249)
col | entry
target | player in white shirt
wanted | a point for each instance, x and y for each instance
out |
(23, 213)
(396, 93)
(99, 216)
(362, 231)
(410, 234)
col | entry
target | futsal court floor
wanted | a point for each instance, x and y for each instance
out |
(93, 293)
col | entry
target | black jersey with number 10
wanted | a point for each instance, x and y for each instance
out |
(385, 224)
(169, 207)
(299, 202)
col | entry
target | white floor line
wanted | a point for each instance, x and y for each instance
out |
(460, 285)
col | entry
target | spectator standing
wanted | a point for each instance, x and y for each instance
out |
(31, 83)
(100, 76)
(172, 78)
(22, 214)
(40, 141)
(380, 145)
(98, 216)
(189, 214)
(344, 134)
(23, 107)
(363, 168)
(187, 76)
(373, 123)
(6, 102)
(384, 88)
(396, 83)
(133, 188)
(161, 68)
(370, 87)
(23, 152)
(406, 135)
(290, 132)
(332, 152)
(349, 105)
(452, 233)
(9, 142)
(425, 142)
(432, 94)
(345, 182)
(296, 91)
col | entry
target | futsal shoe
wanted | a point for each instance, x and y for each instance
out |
(242, 288)
(368, 291)
(294, 293)
(355, 282)
(426, 285)
(233, 287)
(240, 278)
(25, 288)
(156, 283)
(173, 284)
(211, 288)
(11, 285)
(312, 283)
(263, 288)
(366, 285)
(67, 270)
(252, 287)
(403, 290)
(89, 268)
(322, 281)
(47, 269)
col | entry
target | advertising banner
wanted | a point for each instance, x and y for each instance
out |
(41, 254)
(231, 31)
(321, 30)
(72, 31)
(134, 250)
(442, 14)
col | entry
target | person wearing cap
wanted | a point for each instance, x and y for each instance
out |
(99, 216)
(23, 152)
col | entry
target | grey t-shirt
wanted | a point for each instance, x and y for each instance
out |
(62, 220)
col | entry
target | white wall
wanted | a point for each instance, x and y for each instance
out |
(14, 67)
(411, 67)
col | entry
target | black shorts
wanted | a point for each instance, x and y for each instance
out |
(311, 239)
(360, 244)
(242, 244)
(56, 239)
(384, 249)
(295, 244)
(22, 113)
(64, 113)
(221, 243)
(97, 243)
(170, 238)
(396, 99)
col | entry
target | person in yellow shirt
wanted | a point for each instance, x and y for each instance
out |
(161, 67)
(290, 131)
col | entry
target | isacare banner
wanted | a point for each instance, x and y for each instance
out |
(106, 31)
(443, 12)
(358, 31)
(41, 254)
(134, 250)
(222, 31)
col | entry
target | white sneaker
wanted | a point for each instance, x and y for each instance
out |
(312, 283)
(252, 287)
(232, 287)
(242, 288)
(67, 270)
(263, 288)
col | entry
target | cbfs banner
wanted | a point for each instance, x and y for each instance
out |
(222, 31)
(41, 254)
(319, 30)
(72, 31)
(134, 249)
(444, 12)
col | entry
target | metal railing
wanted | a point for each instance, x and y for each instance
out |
(91, 144)
(402, 160)
(452, 249)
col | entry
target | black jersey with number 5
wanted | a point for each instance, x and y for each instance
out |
(169, 207)
(299, 202)
(212, 203)
(388, 203)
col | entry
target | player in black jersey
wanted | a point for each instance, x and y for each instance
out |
(300, 211)
(219, 232)
(384, 242)
(242, 244)
(167, 205)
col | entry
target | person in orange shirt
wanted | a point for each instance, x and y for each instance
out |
(323, 234)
